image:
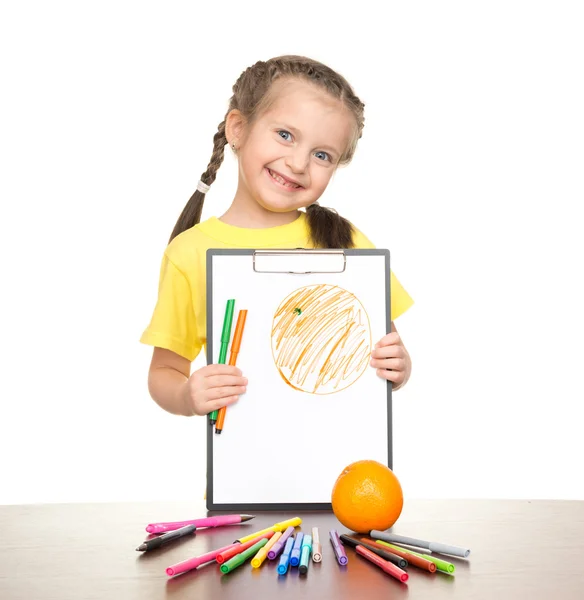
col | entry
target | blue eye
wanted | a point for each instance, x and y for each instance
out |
(326, 154)
(285, 132)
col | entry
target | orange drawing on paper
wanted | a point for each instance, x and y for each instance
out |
(321, 339)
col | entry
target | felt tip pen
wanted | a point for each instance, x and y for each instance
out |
(385, 553)
(283, 525)
(277, 547)
(432, 546)
(305, 553)
(441, 565)
(165, 538)
(242, 557)
(198, 523)
(295, 554)
(246, 538)
(258, 559)
(285, 558)
(235, 346)
(338, 547)
(388, 567)
(316, 547)
(225, 336)
(239, 548)
(197, 561)
(412, 559)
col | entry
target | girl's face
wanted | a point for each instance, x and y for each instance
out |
(289, 155)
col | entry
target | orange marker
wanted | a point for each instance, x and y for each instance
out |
(235, 344)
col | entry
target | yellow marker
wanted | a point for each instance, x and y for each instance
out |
(289, 523)
(276, 527)
(253, 535)
(258, 559)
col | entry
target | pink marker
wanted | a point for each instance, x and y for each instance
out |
(206, 522)
(193, 563)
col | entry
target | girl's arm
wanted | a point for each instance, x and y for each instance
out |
(167, 378)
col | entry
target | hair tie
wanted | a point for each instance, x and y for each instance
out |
(203, 187)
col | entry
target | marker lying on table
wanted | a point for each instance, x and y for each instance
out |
(225, 336)
(316, 547)
(295, 554)
(432, 546)
(198, 523)
(165, 538)
(441, 565)
(275, 527)
(285, 558)
(388, 567)
(277, 547)
(197, 561)
(305, 554)
(412, 559)
(240, 558)
(239, 548)
(338, 547)
(398, 561)
(258, 559)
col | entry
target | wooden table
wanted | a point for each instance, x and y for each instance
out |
(519, 549)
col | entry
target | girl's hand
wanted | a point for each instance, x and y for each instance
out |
(213, 387)
(391, 359)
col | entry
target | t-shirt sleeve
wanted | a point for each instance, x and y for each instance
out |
(173, 324)
(400, 299)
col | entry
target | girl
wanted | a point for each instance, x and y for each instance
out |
(291, 122)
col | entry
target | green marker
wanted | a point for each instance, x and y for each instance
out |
(225, 337)
(240, 558)
(441, 565)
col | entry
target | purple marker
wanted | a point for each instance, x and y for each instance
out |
(277, 547)
(338, 547)
(296, 549)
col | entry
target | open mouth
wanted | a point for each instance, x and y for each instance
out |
(282, 182)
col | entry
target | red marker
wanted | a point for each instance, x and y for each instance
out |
(239, 548)
(388, 567)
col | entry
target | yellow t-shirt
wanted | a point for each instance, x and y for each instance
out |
(179, 320)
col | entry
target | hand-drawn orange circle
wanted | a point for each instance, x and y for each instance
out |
(321, 339)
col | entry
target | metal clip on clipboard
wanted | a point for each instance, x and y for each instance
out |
(299, 262)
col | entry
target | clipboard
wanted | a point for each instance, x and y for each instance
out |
(313, 403)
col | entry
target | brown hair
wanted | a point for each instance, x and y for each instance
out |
(251, 96)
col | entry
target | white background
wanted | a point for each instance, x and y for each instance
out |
(470, 171)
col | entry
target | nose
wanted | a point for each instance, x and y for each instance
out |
(297, 160)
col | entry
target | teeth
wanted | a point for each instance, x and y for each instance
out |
(282, 180)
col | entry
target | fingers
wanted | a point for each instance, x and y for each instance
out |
(219, 393)
(389, 339)
(211, 370)
(395, 364)
(393, 376)
(217, 404)
(215, 381)
(388, 352)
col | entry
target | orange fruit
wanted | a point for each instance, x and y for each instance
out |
(367, 495)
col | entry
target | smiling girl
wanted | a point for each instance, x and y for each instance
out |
(291, 122)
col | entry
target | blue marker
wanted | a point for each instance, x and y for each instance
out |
(305, 554)
(285, 558)
(295, 554)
